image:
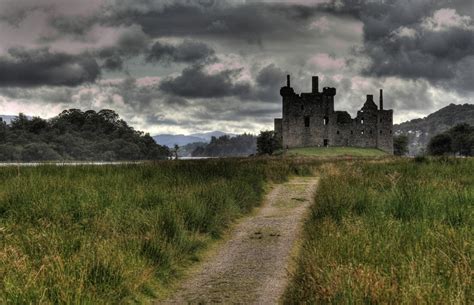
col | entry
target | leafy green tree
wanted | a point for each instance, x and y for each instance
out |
(458, 140)
(267, 143)
(400, 145)
(462, 139)
(175, 151)
(440, 145)
(76, 135)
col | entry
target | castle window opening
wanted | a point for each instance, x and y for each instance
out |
(352, 131)
(361, 132)
(362, 121)
(326, 142)
(380, 120)
(325, 120)
(370, 131)
(380, 131)
(390, 131)
(306, 121)
(337, 132)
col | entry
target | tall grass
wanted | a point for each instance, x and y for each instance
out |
(398, 232)
(118, 234)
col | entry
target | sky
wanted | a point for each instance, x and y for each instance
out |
(187, 66)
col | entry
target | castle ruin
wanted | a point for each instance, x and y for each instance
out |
(309, 119)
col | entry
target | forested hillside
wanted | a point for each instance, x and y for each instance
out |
(420, 131)
(226, 146)
(76, 135)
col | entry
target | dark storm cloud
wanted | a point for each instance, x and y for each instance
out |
(73, 25)
(187, 52)
(268, 82)
(113, 63)
(131, 43)
(194, 82)
(38, 67)
(250, 22)
(403, 38)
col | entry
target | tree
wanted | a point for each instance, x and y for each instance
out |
(267, 143)
(176, 149)
(457, 140)
(440, 145)
(76, 135)
(462, 139)
(400, 145)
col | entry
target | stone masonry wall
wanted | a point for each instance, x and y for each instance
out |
(309, 119)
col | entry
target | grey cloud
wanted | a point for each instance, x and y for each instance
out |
(268, 82)
(187, 52)
(38, 67)
(113, 63)
(433, 55)
(249, 22)
(131, 43)
(72, 25)
(194, 82)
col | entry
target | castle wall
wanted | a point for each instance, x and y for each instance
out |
(309, 119)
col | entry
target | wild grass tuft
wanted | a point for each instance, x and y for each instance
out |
(397, 232)
(118, 234)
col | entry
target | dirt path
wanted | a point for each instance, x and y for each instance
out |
(251, 267)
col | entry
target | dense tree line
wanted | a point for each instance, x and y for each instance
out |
(225, 146)
(76, 135)
(458, 140)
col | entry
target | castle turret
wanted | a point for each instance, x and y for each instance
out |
(369, 103)
(287, 91)
(381, 100)
(315, 84)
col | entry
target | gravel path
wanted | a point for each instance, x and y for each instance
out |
(251, 267)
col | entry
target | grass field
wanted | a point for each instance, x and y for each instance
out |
(118, 234)
(336, 152)
(397, 232)
(380, 231)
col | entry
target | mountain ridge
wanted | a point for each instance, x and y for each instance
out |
(420, 131)
(181, 139)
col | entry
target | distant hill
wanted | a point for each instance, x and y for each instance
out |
(420, 131)
(8, 118)
(228, 146)
(170, 140)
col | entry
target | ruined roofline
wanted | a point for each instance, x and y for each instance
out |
(329, 91)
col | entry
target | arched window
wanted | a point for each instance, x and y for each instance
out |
(362, 121)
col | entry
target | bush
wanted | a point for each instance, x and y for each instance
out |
(440, 145)
(267, 143)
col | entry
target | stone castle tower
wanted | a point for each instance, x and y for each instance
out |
(309, 119)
